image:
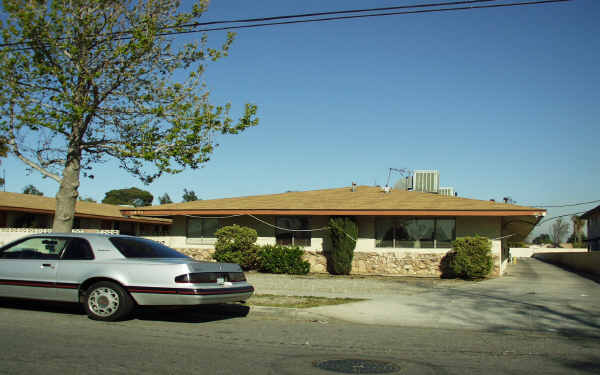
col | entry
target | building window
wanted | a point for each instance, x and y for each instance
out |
(202, 228)
(288, 238)
(416, 233)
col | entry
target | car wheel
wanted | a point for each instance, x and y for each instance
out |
(107, 301)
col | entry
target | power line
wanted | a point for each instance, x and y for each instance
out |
(305, 15)
(538, 2)
(562, 205)
(559, 216)
(302, 15)
(326, 19)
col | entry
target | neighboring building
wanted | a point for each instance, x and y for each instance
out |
(427, 181)
(400, 232)
(23, 213)
(593, 228)
(447, 191)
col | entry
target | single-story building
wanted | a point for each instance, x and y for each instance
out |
(593, 228)
(24, 213)
(400, 232)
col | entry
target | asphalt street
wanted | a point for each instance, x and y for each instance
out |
(44, 338)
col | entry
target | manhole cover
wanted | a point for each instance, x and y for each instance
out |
(357, 366)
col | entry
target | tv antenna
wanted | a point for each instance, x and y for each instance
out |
(402, 171)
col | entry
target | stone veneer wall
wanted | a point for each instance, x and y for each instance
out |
(204, 255)
(368, 263)
(392, 263)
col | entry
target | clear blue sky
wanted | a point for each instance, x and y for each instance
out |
(503, 102)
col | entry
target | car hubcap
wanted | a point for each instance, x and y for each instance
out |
(103, 301)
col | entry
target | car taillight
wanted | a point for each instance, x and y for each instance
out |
(236, 276)
(197, 278)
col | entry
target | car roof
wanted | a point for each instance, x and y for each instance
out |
(81, 235)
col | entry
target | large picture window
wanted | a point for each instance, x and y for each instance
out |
(202, 228)
(288, 238)
(428, 233)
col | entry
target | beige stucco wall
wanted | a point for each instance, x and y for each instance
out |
(399, 261)
(584, 262)
(526, 252)
(465, 226)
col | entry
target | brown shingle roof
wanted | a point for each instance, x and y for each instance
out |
(41, 204)
(365, 200)
(591, 213)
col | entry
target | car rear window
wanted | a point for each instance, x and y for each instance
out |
(143, 248)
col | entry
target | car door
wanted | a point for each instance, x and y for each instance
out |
(76, 262)
(28, 267)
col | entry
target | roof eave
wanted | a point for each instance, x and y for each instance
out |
(329, 212)
(147, 220)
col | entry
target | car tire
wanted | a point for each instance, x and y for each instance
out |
(107, 301)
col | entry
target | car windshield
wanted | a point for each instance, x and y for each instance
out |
(143, 248)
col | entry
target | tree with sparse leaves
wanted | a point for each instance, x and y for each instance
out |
(578, 224)
(165, 199)
(82, 81)
(558, 231)
(31, 190)
(189, 196)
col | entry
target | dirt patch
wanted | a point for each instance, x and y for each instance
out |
(296, 301)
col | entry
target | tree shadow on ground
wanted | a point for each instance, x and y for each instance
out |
(495, 312)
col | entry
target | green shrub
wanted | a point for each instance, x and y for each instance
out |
(235, 244)
(340, 244)
(282, 259)
(519, 244)
(470, 258)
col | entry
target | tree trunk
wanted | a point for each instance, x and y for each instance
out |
(66, 198)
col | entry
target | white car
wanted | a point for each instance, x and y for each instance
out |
(111, 274)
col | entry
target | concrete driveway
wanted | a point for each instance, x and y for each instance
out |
(532, 296)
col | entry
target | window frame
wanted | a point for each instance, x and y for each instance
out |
(70, 243)
(60, 254)
(202, 238)
(307, 234)
(396, 222)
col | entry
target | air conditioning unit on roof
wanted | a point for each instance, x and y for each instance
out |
(448, 191)
(427, 181)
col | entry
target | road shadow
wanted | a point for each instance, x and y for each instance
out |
(589, 365)
(195, 314)
(65, 308)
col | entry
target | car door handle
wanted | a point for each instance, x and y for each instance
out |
(46, 265)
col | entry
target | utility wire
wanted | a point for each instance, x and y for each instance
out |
(538, 2)
(303, 15)
(271, 225)
(256, 25)
(556, 217)
(562, 205)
